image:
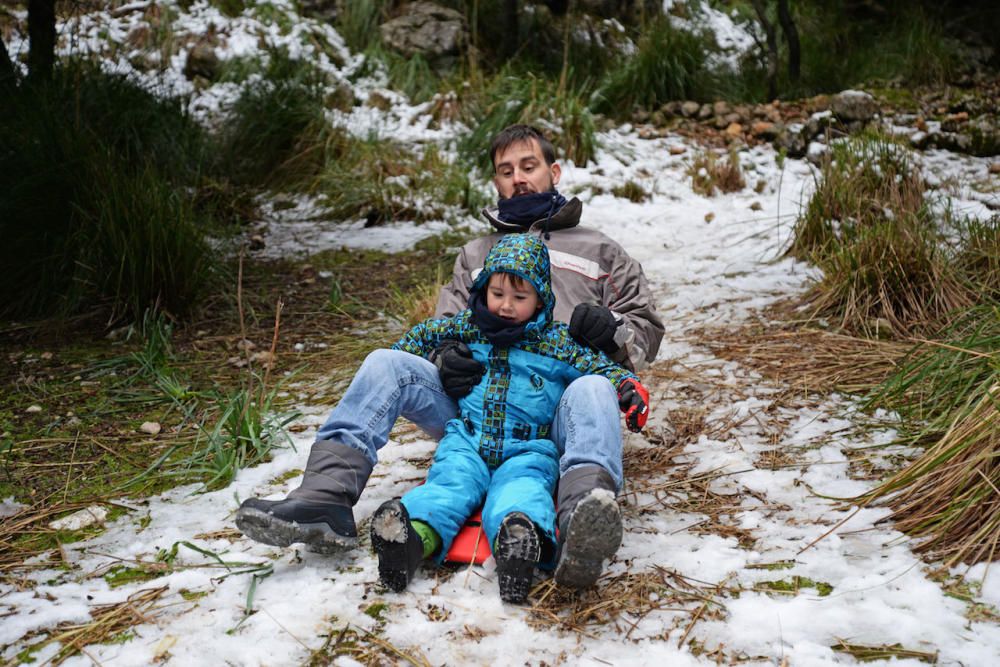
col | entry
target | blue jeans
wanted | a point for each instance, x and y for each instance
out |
(391, 383)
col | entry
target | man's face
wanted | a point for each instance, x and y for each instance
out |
(513, 300)
(521, 170)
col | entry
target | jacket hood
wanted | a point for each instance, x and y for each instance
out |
(526, 256)
(566, 217)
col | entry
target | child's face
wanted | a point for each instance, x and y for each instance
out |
(511, 298)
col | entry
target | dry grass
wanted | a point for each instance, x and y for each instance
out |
(950, 495)
(807, 359)
(622, 601)
(364, 647)
(109, 623)
(710, 174)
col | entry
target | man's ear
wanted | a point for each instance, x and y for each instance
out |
(556, 173)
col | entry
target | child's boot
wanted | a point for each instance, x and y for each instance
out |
(518, 550)
(397, 545)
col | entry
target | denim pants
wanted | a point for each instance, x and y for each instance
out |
(391, 383)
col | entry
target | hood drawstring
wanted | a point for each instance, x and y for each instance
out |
(548, 218)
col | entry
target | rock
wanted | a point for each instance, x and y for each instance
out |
(854, 105)
(721, 108)
(689, 109)
(245, 344)
(89, 516)
(705, 112)
(672, 108)
(709, 217)
(202, 61)
(734, 130)
(152, 428)
(765, 130)
(733, 117)
(756, 206)
(256, 242)
(33, 409)
(427, 29)
(818, 124)
(677, 150)
(720, 123)
(324, 10)
(792, 141)
(995, 168)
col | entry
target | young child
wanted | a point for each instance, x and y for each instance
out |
(498, 448)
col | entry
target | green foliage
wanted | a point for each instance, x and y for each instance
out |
(275, 133)
(510, 99)
(93, 206)
(358, 21)
(670, 64)
(381, 181)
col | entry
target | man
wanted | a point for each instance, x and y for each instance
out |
(599, 290)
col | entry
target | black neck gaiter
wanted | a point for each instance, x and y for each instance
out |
(500, 332)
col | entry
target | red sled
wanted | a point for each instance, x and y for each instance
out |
(470, 545)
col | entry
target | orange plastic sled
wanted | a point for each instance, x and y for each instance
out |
(470, 545)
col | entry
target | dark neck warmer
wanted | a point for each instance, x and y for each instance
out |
(526, 209)
(500, 332)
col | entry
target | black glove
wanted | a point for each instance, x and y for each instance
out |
(458, 370)
(594, 326)
(633, 399)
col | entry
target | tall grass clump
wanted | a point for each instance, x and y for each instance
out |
(669, 64)
(870, 229)
(275, 133)
(510, 98)
(94, 208)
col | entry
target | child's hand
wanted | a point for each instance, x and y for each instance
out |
(634, 402)
(459, 372)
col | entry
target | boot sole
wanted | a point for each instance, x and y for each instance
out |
(594, 535)
(390, 530)
(266, 528)
(516, 560)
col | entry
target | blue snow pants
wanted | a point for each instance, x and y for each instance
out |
(459, 480)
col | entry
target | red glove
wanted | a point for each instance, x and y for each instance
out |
(634, 402)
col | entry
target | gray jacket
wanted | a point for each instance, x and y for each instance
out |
(587, 267)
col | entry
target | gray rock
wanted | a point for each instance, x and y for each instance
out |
(792, 140)
(689, 109)
(705, 112)
(324, 10)
(854, 105)
(817, 124)
(202, 61)
(426, 29)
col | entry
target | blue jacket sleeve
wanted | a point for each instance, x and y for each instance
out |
(426, 336)
(587, 361)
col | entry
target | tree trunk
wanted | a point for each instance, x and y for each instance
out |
(42, 35)
(792, 37)
(510, 20)
(8, 75)
(772, 48)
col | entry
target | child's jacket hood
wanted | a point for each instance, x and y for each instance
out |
(526, 256)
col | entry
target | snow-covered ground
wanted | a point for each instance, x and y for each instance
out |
(703, 272)
(713, 578)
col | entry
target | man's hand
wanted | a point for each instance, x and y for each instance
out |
(634, 402)
(458, 370)
(594, 326)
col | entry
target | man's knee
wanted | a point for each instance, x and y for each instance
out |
(593, 390)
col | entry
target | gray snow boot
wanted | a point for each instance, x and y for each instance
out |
(590, 525)
(318, 513)
(517, 552)
(398, 547)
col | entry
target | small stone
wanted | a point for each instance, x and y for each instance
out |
(152, 428)
(734, 130)
(995, 168)
(677, 150)
(705, 112)
(245, 344)
(33, 409)
(45, 355)
(764, 129)
(257, 242)
(756, 206)
(709, 217)
(689, 109)
(760, 186)
(959, 117)
(920, 124)
(95, 514)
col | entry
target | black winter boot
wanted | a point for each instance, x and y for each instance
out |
(590, 525)
(398, 547)
(319, 512)
(518, 550)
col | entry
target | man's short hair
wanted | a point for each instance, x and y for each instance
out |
(513, 134)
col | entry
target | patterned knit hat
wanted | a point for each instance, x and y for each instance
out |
(526, 256)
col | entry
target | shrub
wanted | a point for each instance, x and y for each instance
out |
(877, 240)
(670, 64)
(510, 99)
(86, 160)
(708, 174)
